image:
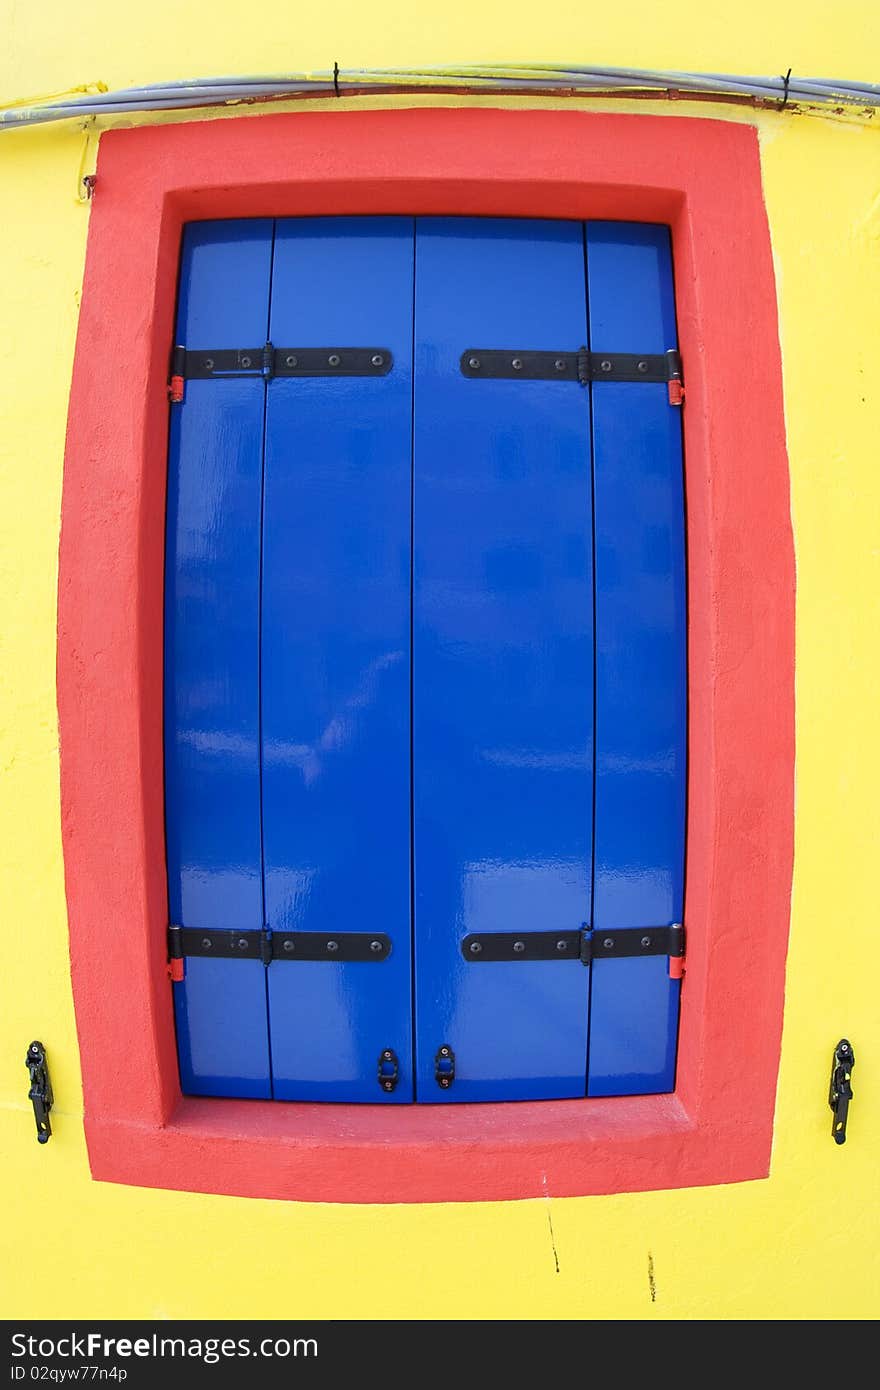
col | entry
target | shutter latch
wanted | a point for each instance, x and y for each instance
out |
(840, 1092)
(444, 1066)
(40, 1093)
(389, 1069)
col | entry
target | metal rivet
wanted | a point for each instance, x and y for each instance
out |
(377, 359)
(245, 361)
(444, 1052)
(608, 943)
(643, 366)
(519, 946)
(242, 943)
(444, 1081)
(291, 361)
(334, 359)
(646, 941)
(475, 948)
(376, 946)
(389, 1085)
(606, 365)
(387, 1055)
(559, 364)
(332, 945)
(473, 362)
(209, 364)
(206, 943)
(288, 945)
(562, 945)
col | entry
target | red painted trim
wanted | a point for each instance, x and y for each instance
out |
(703, 177)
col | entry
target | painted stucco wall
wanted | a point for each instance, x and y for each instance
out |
(801, 1244)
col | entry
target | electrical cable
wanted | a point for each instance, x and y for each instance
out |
(540, 79)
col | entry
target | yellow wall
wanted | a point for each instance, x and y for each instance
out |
(802, 1244)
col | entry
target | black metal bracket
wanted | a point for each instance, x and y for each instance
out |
(483, 947)
(388, 1071)
(840, 1092)
(269, 361)
(269, 946)
(40, 1093)
(578, 366)
(444, 1066)
(584, 946)
(636, 941)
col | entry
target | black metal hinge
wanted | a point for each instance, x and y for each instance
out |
(268, 361)
(40, 1093)
(584, 946)
(840, 1092)
(269, 946)
(581, 366)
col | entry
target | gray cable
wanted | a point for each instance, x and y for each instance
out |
(477, 79)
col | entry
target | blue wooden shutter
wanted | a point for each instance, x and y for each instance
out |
(336, 657)
(641, 667)
(212, 650)
(502, 659)
(381, 600)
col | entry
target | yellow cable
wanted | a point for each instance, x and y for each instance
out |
(82, 90)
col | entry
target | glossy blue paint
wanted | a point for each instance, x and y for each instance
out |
(336, 657)
(641, 665)
(212, 758)
(379, 642)
(502, 658)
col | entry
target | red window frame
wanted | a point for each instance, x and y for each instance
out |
(703, 178)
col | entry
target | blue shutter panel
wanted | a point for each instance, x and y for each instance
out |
(502, 659)
(212, 587)
(641, 666)
(336, 657)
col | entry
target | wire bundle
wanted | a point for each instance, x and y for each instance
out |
(501, 79)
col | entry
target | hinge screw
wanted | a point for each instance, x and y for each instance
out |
(562, 945)
(643, 366)
(606, 365)
(559, 364)
(608, 943)
(473, 363)
(245, 361)
(519, 946)
(206, 943)
(376, 946)
(646, 940)
(332, 945)
(209, 364)
(291, 361)
(288, 945)
(377, 359)
(242, 943)
(334, 360)
(516, 364)
(475, 948)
